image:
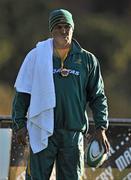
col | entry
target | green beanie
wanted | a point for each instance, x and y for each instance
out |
(60, 16)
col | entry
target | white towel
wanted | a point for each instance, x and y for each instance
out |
(36, 77)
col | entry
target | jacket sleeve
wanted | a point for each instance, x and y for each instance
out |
(20, 106)
(96, 95)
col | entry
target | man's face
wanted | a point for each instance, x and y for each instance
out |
(62, 34)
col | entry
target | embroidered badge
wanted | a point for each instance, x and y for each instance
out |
(78, 61)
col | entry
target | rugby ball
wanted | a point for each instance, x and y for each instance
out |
(94, 155)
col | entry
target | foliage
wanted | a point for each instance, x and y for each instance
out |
(102, 28)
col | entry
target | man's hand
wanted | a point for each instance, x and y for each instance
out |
(21, 136)
(101, 136)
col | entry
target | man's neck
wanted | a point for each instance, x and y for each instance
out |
(61, 52)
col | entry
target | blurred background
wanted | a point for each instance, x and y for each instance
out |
(102, 27)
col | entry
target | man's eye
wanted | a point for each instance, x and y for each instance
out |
(65, 27)
(59, 27)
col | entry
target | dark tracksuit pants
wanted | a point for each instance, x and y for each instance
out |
(66, 149)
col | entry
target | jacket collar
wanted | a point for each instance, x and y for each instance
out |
(76, 48)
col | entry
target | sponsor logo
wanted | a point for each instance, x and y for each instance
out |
(71, 71)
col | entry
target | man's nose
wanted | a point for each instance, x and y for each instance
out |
(63, 30)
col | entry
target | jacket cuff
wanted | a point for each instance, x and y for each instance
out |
(102, 128)
(18, 125)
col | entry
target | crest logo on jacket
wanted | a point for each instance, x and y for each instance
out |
(78, 61)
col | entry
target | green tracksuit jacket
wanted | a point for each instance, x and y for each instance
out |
(83, 85)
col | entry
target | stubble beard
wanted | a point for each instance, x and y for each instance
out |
(62, 42)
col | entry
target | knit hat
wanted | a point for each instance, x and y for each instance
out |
(60, 16)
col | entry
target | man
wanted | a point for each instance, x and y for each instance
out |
(77, 81)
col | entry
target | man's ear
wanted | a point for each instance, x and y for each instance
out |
(50, 34)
